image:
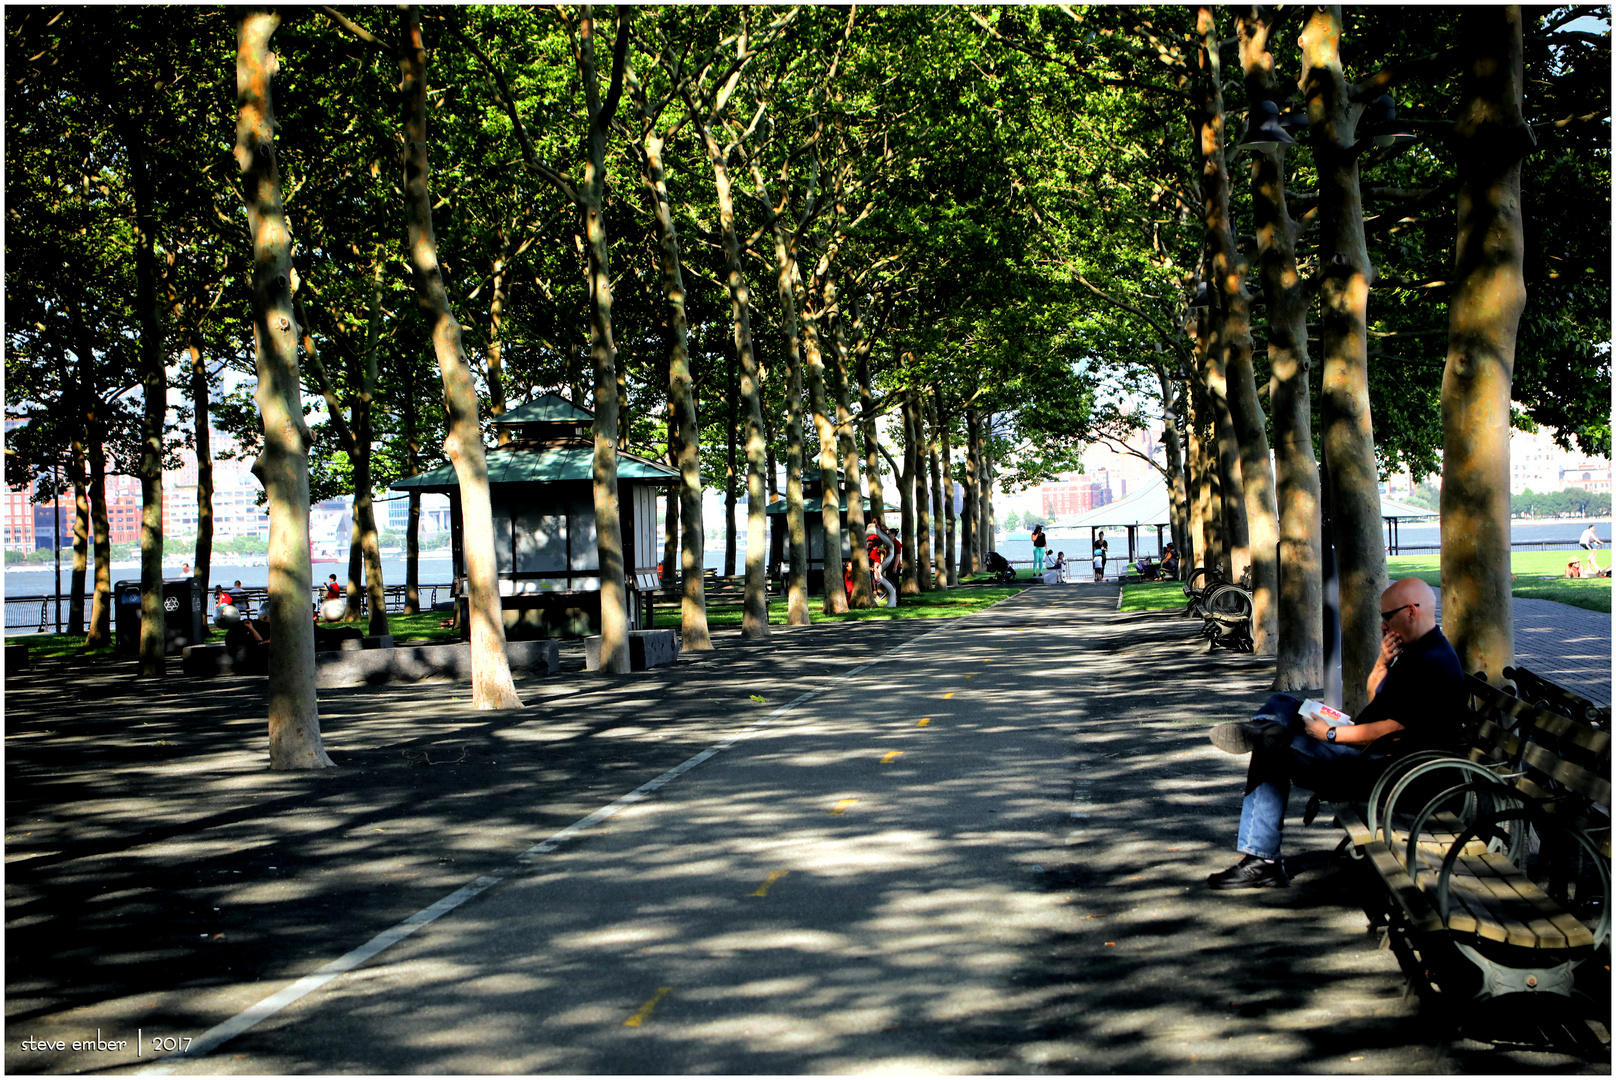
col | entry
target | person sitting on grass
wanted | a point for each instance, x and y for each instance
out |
(1573, 568)
(1416, 691)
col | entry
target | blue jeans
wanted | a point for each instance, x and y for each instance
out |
(1037, 559)
(1322, 767)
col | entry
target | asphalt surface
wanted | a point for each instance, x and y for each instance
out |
(978, 846)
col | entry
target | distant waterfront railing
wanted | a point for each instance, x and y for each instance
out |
(36, 614)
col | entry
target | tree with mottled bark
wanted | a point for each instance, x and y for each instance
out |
(684, 437)
(1491, 138)
(1233, 331)
(589, 196)
(1348, 431)
(1300, 660)
(282, 466)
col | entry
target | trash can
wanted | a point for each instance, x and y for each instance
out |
(184, 621)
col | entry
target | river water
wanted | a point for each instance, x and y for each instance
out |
(434, 568)
(1410, 538)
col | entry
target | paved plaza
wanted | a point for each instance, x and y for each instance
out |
(961, 846)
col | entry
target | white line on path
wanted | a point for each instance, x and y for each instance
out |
(219, 1034)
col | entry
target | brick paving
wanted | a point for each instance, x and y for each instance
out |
(1570, 645)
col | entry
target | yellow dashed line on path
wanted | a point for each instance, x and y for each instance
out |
(645, 1010)
(923, 721)
(763, 889)
(950, 694)
(890, 755)
(840, 808)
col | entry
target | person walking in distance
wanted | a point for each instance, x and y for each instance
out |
(1589, 542)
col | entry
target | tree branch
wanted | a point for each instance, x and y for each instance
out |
(386, 48)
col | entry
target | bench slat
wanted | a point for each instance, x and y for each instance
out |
(1564, 926)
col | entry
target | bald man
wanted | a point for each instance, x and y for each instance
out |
(1416, 692)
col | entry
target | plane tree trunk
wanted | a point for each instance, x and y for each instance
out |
(863, 594)
(786, 277)
(1300, 663)
(1234, 335)
(204, 464)
(940, 555)
(283, 465)
(154, 382)
(872, 454)
(492, 686)
(1348, 435)
(974, 548)
(603, 348)
(829, 501)
(1484, 314)
(950, 562)
(755, 611)
(731, 474)
(684, 433)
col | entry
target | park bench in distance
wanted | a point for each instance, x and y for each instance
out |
(1494, 862)
(1225, 608)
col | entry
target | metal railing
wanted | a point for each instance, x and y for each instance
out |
(36, 613)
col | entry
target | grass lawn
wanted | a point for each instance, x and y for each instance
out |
(936, 604)
(1539, 575)
(1153, 596)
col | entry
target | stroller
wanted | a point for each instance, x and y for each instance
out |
(1000, 567)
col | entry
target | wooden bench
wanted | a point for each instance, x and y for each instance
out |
(1226, 618)
(1551, 695)
(718, 590)
(1494, 861)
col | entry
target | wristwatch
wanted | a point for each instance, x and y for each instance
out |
(1329, 736)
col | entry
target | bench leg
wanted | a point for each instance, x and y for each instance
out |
(1498, 980)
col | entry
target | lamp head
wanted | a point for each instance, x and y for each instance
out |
(1264, 132)
(1381, 123)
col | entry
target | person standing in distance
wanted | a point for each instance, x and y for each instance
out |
(1039, 544)
(1589, 542)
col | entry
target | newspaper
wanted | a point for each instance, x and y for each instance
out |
(1318, 710)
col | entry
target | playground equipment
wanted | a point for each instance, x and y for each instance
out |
(885, 565)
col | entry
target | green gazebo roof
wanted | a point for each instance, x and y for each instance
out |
(549, 464)
(546, 409)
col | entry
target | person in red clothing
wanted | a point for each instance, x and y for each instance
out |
(333, 591)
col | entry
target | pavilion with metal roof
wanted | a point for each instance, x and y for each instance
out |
(542, 501)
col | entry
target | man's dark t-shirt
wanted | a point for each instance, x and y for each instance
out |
(1424, 691)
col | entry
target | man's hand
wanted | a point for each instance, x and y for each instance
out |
(1316, 728)
(1391, 647)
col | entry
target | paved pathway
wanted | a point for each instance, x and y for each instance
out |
(983, 852)
(1570, 645)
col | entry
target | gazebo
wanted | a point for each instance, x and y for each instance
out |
(1145, 509)
(813, 519)
(540, 487)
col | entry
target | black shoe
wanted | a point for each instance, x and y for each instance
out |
(1311, 812)
(1244, 736)
(1251, 873)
